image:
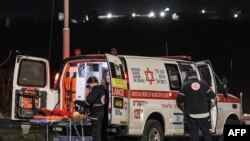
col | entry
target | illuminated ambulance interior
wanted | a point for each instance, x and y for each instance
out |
(74, 80)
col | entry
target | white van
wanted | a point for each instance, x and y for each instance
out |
(142, 91)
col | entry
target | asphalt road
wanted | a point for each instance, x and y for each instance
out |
(12, 131)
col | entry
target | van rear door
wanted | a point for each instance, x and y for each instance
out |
(207, 74)
(31, 85)
(119, 96)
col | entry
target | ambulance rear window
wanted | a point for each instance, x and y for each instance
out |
(32, 73)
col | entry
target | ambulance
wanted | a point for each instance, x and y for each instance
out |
(142, 92)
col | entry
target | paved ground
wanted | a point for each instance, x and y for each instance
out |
(14, 131)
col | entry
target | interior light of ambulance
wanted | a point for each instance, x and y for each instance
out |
(56, 80)
(118, 103)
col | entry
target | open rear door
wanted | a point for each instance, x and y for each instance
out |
(31, 85)
(207, 74)
(119, 97)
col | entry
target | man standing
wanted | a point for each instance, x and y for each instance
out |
(96, 101)
(195, 96)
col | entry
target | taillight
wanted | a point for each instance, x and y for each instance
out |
(55, 85)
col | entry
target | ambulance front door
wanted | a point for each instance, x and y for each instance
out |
(206, 74)
(31, 85)
(118, 96)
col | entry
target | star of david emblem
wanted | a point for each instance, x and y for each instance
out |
(149, 76)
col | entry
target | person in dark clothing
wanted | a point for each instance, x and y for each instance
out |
(194, 98)
(96, 101)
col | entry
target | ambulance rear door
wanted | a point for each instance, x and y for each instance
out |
(119, 96)
(206, 74)
(31, 87)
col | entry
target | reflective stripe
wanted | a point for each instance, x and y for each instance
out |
(86, 102)
(203, 115)
(182, 94)
(96, 105)
(209, 90)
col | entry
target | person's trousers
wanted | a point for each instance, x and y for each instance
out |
(194, 124)
(96, 129)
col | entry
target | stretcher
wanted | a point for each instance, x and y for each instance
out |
(68, 123)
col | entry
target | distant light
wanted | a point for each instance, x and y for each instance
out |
(87, 18)
(236, 15)
(162, 14)
(60, 16)
(175, 16)
(133, 14)
(203, 11)
(167, 9)
(151, 15)
(109, 15)
(74, 21)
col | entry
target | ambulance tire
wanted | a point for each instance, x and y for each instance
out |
(153, 131)
(229, 122)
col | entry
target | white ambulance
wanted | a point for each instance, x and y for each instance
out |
(142, 91)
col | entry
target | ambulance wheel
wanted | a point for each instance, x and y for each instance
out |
(153, 131)
(232, 122)
(229, 122)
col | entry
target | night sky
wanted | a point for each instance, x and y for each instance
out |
(26, 26)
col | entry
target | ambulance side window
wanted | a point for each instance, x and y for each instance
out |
(173, 76)
(184, 71)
